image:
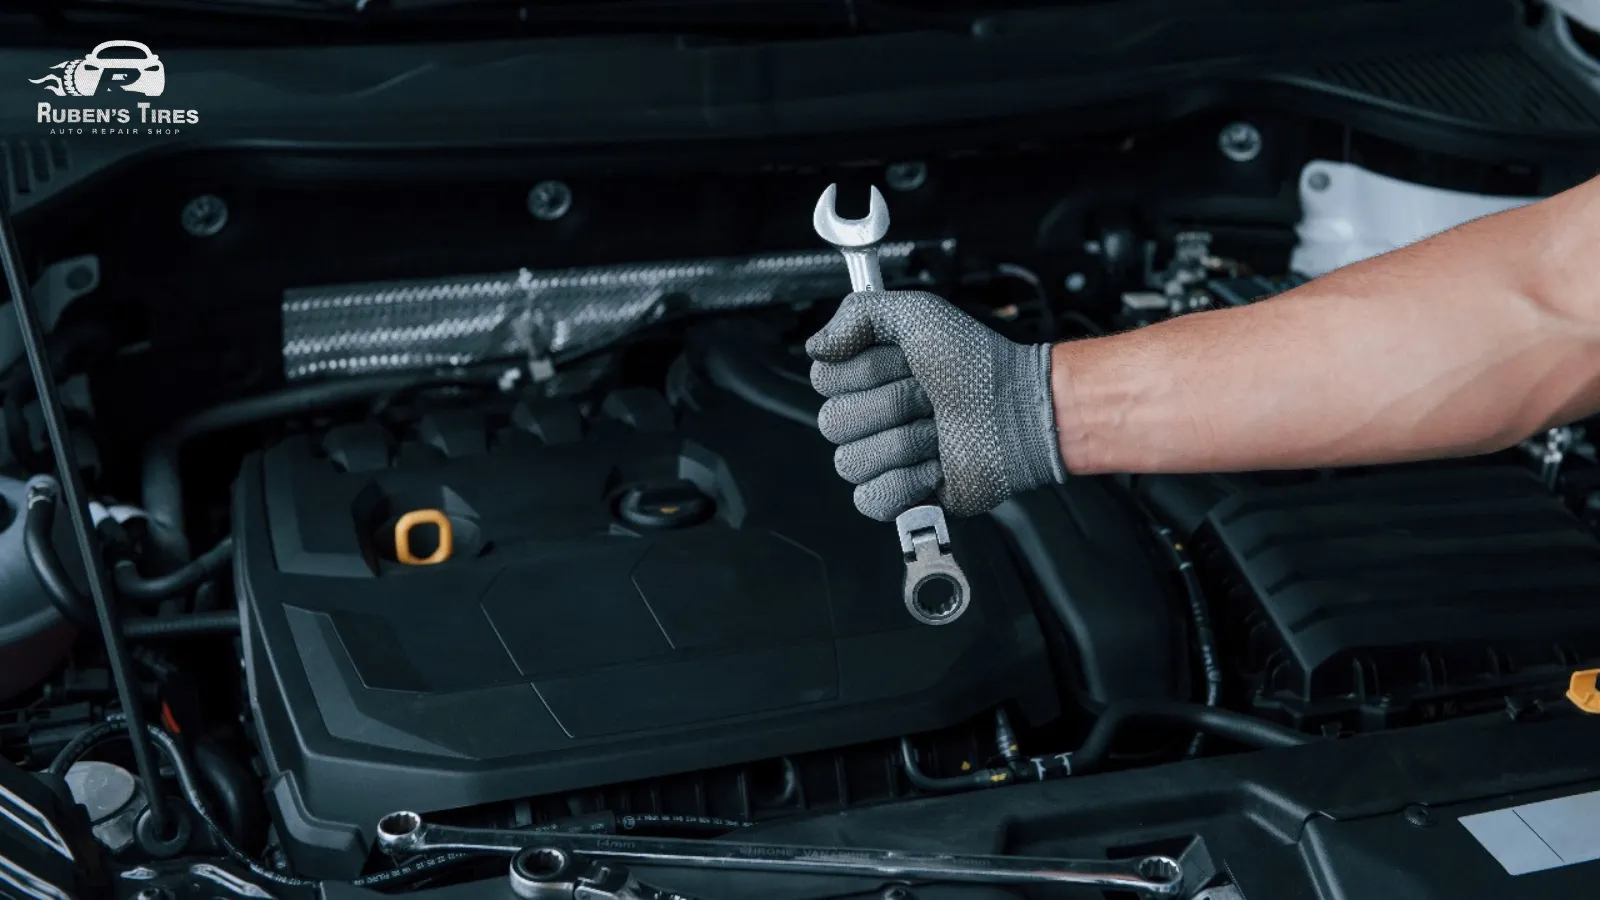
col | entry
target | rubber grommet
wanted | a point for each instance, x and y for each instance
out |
(159, 846)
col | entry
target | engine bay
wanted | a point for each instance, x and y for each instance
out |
(639, 590)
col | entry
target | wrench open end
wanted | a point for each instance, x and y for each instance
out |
(842, 232)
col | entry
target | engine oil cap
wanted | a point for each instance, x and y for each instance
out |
(1581, 690)
(443, 549)
(672, 504)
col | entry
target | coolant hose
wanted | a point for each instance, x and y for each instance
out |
(133, 586)
(162, 489)
(222, 622)
(37, 540)
(37, 528)
(239, 803)
(1214, 721)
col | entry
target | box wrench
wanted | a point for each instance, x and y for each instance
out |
(924, 535)
(1152, 876)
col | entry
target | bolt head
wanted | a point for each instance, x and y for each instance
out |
(1240, 142)
(205, 215)
(1077, 281)
(550, 200)
(1419, 816)
(1318, 180)
(906, 176)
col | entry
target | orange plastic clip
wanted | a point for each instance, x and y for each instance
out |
(1581, 690)
(402, 537)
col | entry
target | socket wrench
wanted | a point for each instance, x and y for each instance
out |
(1152, 876)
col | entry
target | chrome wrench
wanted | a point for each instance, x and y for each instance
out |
(936, 590)
(857, 239)
(545, 873)
(1151, 876)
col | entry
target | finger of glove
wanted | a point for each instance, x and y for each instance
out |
(861, 461)
(872, 367)
(852, 329)
(897, 490)
(854, 416)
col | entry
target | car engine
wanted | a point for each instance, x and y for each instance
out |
(491, 489)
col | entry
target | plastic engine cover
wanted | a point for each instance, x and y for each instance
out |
(1381, 600)
(629, 596)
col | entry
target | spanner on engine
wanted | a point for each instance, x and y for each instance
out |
(1153, 876)
(545, 873)
(936, 590)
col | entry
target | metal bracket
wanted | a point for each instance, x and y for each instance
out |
(936, 590)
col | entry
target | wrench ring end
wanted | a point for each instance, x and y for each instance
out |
(935, 608)
(397, 831)
(1162, 872)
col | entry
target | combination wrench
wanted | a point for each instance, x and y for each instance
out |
(936, 590)
(1152, 876)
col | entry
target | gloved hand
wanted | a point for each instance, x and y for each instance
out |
(926, 401)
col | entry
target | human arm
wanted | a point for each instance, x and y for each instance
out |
(1461, 344)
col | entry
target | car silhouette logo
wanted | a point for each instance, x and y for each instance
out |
(142, 73)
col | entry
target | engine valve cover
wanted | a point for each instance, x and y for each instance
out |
(640, 592)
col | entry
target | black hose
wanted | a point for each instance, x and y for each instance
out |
(163, 491)
(38, 531)
(221, 622)
(966, 781)
(1223, 723)
(238, 801)
(1200, 613)
(133, 586)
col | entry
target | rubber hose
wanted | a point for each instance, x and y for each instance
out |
(162, 489)
(221, 622)
(1214, 721)
(980, 778)
(239, 805)
(1200, 614)
(133, 586)
(38, 543)
(81, 744)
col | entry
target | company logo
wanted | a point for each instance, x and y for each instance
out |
(110, 72)
(128, 65)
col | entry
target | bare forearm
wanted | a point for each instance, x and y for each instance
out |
(1458, 345)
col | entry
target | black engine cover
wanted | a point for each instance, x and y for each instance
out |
(636, 594)
(1370, 601)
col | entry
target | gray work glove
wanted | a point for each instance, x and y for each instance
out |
(926, 401)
